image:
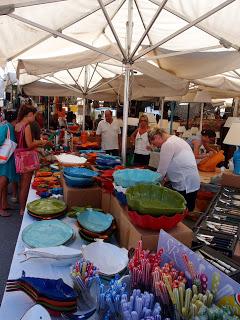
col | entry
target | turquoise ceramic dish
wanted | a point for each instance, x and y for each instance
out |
(47, 233)
(95, 221)
(131, 177)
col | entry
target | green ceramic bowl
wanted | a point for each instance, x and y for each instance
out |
(155, 200)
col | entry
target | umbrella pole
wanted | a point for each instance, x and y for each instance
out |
(201, 117)
(188, 113)
(48, 115)
(85, 99)
(125, 113)
(162, 111)
(173, 104)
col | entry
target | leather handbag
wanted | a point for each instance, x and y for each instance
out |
(26, 160)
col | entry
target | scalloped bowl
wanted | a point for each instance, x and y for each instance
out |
(131, 177)
(78, 182)
(156, 223)
(79, 172)
(155, 200)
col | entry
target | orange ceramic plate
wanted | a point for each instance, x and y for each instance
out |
(43, 174)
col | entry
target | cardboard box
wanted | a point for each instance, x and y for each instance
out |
(106, 201)
(91, 196)
(230, 179)
(129, 235)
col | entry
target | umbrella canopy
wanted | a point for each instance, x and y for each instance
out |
(172, 24)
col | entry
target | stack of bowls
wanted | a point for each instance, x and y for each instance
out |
(155, 207)
(95, 224)
(105, 161)
(79, 177)
(126, 178)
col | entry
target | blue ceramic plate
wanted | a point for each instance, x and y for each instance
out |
(47, 233)
(95, 221)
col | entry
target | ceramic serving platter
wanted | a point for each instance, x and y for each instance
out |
(47, 233)
(95, 221)
(46, 206)
(108, 258)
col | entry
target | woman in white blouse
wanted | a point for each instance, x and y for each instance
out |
(178, 163)
(140, 139)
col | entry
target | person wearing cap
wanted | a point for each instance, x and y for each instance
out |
(177, 163)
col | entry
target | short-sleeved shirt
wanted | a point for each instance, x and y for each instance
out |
(177, 161)
(109, 133)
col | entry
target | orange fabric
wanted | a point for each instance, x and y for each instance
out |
(209, 164)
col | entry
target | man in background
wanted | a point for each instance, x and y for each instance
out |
(109, 134)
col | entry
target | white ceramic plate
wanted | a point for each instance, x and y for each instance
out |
(109, 259)
(70, 158)
(37, 312)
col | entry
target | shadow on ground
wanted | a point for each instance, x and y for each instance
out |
(9, 229)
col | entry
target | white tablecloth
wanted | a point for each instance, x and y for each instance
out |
(15, 304)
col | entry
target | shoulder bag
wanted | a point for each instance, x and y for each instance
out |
(26, 160)
(7, 148)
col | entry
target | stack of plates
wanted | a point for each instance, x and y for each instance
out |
(70, 160)
(47, 233)
(95, 225)
(46, 209)
(55, 295)
(105, 161)
(107, 258)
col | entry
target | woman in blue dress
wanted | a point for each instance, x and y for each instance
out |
(7, 170)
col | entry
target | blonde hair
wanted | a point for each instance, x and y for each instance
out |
(156, 131)
(144, 117)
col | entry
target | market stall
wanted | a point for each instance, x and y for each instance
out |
(79, 181)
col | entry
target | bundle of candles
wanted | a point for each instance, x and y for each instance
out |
(109, 301)
(215, 312)
(83, 274)
(164, 280)
(188, 302)
(140, 306)
(200, 280)
(142, 265)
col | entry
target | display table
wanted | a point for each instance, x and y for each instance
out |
(129, 234)
(15, 304)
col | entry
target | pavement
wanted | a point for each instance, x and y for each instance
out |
(9, 229)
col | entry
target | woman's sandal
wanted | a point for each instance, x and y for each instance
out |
(21, 212)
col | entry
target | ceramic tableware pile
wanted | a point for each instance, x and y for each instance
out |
(106, 161)
(155, 207)
(95, 224)
(46, 209)
(46, 182)
(79, 177)
(47, 233)
(55, 295)
(126, 178)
